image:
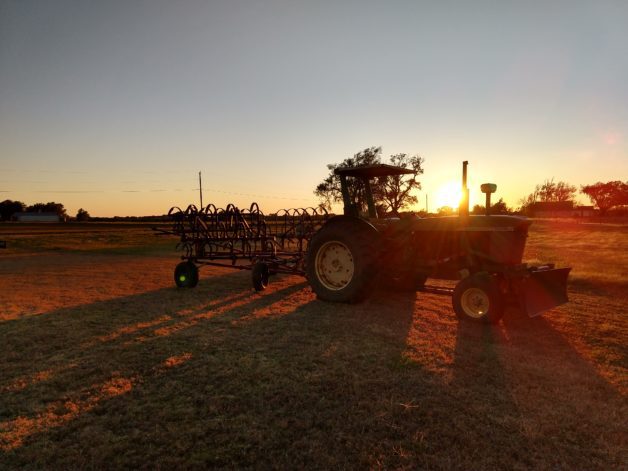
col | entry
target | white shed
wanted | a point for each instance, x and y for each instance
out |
(37, 217)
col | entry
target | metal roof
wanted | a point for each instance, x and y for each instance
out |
(372, 171)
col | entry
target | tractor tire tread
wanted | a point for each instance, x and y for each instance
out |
(362, 245)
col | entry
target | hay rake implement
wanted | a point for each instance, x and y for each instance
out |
(244, 239)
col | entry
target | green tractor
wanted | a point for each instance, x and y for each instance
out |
(352, 252)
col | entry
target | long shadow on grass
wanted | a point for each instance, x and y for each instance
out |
(602, 288)
(44, 342)
(279, 380)
(88, 338)
(74, 369)
(527, 380)
(561, 395)
(302, 383)
(486, 411)
(535, 397)
(273, 381)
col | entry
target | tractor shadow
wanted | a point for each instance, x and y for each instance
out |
(524, 376)
(221, 376)
(64, 335)
(218, 376)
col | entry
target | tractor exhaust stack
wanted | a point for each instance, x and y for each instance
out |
(463, 207)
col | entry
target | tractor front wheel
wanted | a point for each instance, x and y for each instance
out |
(341, 263)
(477, 298)
(186, 275)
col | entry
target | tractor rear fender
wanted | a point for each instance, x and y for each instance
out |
(355, 225)
(351, 221)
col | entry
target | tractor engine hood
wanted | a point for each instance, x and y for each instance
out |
(496, 223)
(495, 239)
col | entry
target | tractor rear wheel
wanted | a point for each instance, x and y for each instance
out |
(477, 298)
(186, 275)
(259, 276)
(341, 263)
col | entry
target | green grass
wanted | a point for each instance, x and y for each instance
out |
(597, 253)
(220, 376)
(106, 238)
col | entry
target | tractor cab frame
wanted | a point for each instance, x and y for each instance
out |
(365, 174)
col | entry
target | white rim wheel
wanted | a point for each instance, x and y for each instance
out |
(334, 265)
(475, 302)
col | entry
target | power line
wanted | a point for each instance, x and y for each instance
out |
(256, 195)
(161, 190)
(69, 191)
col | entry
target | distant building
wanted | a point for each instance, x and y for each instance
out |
(37, 217)
(560, 209)
(584, 211)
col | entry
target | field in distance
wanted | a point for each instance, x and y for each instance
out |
(106, 364)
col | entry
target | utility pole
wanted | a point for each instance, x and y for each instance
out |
(427, 211)
(200, 188)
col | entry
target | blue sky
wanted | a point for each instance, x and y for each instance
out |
(115, 106)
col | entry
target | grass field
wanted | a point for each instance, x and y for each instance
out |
(104, 364)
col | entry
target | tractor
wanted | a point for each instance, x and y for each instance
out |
(352, 251)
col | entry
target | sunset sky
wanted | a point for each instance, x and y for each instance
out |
(115, 106)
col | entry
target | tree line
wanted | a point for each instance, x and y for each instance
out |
(8, 209)
(393, 194)
(603, 195)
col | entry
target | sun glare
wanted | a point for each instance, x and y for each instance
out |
(449, 194)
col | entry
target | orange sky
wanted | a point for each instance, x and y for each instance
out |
(116, 106)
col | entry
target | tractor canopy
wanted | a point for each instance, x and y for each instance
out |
(365, 173)
(373, 171)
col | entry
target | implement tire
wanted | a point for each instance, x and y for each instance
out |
(186, 275)
(477, 298)
(341, 261)
(259, 276)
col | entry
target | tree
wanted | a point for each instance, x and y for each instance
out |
(390, 193)
(51, 207)
(549, 191)
(557, 192)
(445, 211)
(82, 215)
(496, 208)
(395, 191)
(36, 208)
(329, 189)
(9, 207)
(607, 195)
(500, 207)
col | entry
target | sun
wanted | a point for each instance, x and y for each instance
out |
(449, 194)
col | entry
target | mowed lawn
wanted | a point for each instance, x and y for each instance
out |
(105, 364)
